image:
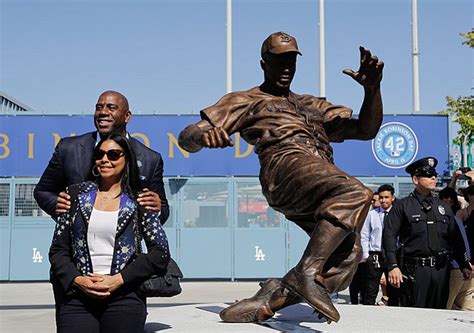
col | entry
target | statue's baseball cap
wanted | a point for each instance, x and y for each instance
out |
(279, 42)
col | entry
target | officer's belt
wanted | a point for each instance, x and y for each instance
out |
(425, 261)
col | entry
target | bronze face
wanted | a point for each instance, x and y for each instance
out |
(279, 70)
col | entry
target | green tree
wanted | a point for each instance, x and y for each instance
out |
(469, 36)
(462, 112)
(461, 109)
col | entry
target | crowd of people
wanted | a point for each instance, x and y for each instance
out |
(417, 250)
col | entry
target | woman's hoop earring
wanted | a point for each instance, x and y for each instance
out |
(95, 172)
(127, 172)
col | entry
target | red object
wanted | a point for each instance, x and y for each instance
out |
(253, 207)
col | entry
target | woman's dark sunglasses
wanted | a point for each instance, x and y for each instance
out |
(112, 154)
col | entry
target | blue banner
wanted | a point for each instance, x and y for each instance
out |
(27, 143)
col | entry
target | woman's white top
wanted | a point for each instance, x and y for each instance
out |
(101, 239)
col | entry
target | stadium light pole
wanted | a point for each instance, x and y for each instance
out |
(415, 54)
(322, 60)
(229, 47)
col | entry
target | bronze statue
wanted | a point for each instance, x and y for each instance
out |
(291, 135)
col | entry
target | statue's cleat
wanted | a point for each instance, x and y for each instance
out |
(312, 292)
(320, 316)
(255, 308)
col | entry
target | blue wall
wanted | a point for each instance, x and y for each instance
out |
(209, 213)
(27, 142)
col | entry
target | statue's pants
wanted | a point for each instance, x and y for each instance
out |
(311, 192)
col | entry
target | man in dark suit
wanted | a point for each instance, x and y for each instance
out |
(72, 161)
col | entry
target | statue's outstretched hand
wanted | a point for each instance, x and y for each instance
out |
(369, 74)
(216, 137)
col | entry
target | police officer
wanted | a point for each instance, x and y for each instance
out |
(420, 235)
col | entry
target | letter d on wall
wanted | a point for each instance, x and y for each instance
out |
(238, 154)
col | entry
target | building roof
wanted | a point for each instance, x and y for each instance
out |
(8, 103)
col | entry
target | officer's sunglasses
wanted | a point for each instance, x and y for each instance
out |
(112, 154)
(427, 174)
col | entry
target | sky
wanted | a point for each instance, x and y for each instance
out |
(169, 57)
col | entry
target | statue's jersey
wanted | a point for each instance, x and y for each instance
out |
(291, 136)
(301, 123)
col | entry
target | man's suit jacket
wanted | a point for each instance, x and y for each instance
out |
(72, 163)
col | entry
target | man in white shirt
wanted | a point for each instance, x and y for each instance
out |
(359, 278)
(371, 241)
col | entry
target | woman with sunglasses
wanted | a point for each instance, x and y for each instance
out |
(95, 254)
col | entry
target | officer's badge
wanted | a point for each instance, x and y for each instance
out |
(441, 210)
(139, 163)
(431, 162)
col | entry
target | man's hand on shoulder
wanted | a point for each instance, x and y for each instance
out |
(63, 203)
(150, 200)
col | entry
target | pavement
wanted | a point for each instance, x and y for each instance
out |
(29, 307)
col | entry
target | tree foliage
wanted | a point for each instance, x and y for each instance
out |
(469, 36)
(462, 108)
(462, 111)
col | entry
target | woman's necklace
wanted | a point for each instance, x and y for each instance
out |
(108, 195)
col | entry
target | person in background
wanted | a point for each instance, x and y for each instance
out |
(461, 291)
(466, 215)
(420, 232)
(385, 293)
(95, 254)
(375, 202)
(449, 195)
(466, 175)
(371, 241)
(355, 288)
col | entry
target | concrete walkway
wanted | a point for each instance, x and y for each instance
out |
(29, 307)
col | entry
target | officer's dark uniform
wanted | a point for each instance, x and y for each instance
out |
(427, 236)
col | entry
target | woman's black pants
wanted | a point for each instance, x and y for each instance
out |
(122, 313)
